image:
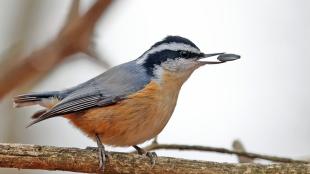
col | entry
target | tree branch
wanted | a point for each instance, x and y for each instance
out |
(156, 146)
(74, 37)
(86, 160)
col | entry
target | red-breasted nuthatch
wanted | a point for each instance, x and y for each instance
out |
(130, 103)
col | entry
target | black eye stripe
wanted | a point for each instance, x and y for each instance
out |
(159, 57)
(184, 54)
(188, 54)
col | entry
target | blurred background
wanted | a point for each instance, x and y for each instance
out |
(262, 99)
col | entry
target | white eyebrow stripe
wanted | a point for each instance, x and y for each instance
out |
(173, 46)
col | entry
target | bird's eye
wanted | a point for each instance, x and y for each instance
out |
(184, 54)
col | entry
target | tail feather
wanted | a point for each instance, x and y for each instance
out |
(45, 99)
(33, 98)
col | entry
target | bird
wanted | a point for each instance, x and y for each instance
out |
(130, 103)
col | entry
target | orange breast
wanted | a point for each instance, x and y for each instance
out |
(134, 120)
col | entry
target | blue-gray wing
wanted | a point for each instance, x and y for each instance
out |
(106, 89)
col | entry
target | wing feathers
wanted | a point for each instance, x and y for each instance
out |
(75, 105)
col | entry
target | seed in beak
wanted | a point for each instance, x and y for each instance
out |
(228, 57)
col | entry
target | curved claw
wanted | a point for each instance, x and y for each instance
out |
(151, 155)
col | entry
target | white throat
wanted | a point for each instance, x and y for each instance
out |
(178, 71)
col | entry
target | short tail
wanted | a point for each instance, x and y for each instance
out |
(34, 98)
(45, 99)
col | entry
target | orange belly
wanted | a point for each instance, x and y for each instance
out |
(132, 121)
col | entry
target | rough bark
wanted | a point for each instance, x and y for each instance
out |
(86, 160)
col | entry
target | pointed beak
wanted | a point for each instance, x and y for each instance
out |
(222, 58)
(211, 55)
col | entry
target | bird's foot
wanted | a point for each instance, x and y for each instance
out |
(102, 154)
(151, 155)
(103, 157)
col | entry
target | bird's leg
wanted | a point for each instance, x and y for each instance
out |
(102, 154)
(151, 155)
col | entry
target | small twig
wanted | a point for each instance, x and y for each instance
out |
(238, 147)
(157, 146)
(74, 11)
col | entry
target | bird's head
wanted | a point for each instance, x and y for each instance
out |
(177, 55)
